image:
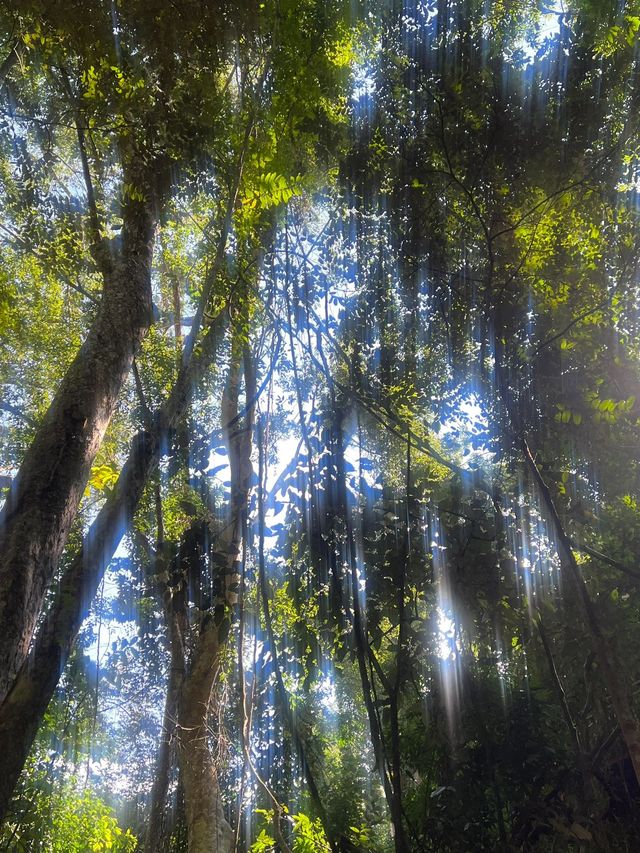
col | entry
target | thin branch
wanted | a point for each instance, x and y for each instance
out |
(604, 558)
(570, 325)
(12, 57)
(100, 248)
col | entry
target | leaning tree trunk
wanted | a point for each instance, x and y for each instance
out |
(23, 708)
(44, 498)
(208, 829)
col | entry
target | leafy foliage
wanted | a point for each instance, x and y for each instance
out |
(66, 819)
(415, 236)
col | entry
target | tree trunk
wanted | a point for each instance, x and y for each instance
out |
(175, 614)
(32, 690)
(208, 829)
(174, 604)
(44, 497)
(23, 708)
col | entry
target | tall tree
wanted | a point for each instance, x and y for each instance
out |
(416, 628)
(103, 81)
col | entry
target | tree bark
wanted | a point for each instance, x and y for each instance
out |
(207, 827)
(176, 622)
(44, 497)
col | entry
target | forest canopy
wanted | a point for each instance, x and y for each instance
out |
(319, 426)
